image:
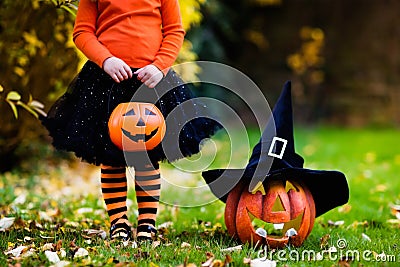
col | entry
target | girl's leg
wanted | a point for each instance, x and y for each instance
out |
(114, 188)
(147, 186)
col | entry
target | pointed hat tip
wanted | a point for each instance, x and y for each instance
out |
(287, 86)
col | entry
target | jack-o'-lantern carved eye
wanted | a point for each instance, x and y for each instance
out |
(289, 186)
(135, 126)
(258, 188)
(130, 113)
(149, 112)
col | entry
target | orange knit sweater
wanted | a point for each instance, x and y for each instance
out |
(140, 32)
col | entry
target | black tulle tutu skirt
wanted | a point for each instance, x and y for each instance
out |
(78, 120)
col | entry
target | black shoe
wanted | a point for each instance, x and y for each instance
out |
(120, 231)
(146, 233)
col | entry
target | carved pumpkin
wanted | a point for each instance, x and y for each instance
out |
(276, 206)
(136, 126)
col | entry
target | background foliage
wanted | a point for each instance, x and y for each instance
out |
(40, 59)
(351, 58)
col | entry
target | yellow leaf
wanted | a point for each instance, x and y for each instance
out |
(19, 71)
(13, 96)
(1, 89)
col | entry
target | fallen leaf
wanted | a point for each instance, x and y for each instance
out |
(232, 249)
(81, 252)
(58, 245)
(185, 245)
(356, 224)
(209, 255)
(72, 245)
(217, 263)
(21, 199)
(72, 224)
(16, 252)
(228, 260)
(394, 221)
(63, 253)
(31, 252)
(84, 210)
(44, 216)
(380, 188)
(165, 225)
(365, 237)
(46, 237)
(323, 241)
(246, 260)
(47, 246)
(208, 263)
(346, 208)
(91, 233)
(6, 223)
(155, 244)
(395, 208)
(52, 256)
(337, 223)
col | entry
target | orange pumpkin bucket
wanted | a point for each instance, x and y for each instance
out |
(136, 126)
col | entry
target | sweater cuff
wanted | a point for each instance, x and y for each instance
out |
(163, 70)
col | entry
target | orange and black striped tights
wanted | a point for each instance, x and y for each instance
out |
(147, 185)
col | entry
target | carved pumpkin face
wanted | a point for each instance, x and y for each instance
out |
(284, 211)
(136, 126)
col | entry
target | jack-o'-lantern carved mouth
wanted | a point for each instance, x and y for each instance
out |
(138, 137)
(282, 230)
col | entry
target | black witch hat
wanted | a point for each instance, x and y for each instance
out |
(274, 157)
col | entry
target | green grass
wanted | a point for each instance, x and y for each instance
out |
(370, 158)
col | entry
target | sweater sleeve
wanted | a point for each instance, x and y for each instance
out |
(173, 35)
(84, 34)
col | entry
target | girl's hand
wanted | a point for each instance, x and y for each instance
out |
(117, 69)
(150, 75)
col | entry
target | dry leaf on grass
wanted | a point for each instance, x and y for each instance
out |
(335, 224)
(16, 252)
(81, 252)
(6, 223)
(51, 256)
(232, 249)
(89, 233)
(365, 237)
(395, 210)
(323, 241)
(185, 245)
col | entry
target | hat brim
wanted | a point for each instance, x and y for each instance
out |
(328, 188)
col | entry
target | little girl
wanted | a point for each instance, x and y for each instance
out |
(128, 43)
